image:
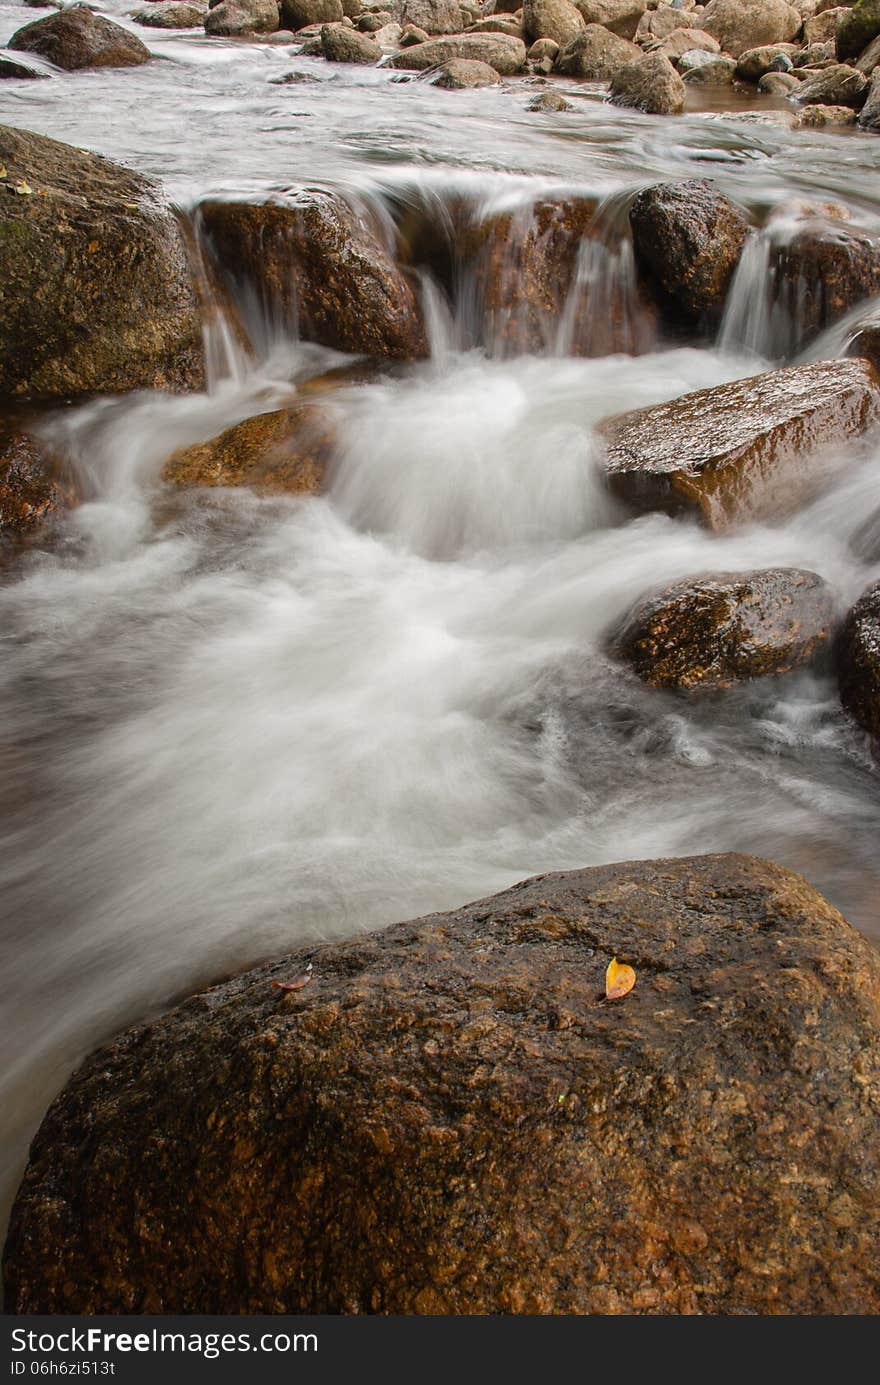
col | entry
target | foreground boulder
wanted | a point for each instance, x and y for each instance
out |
(77, 38)
(319, 266)
(502, 51)
(712, 632)
(742, 24)
(285, 450)
(449, 1118)
(858, 661)
(116, 311)
(30, 489)
(651, 84)
(688, 239)
(753, 449)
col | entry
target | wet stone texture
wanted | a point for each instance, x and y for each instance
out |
(714, 631)
(317, 263)
(77, 38)
(96, 288)
(823, 271)
(858, 661)
(450, 1118)
(752, 449)
(688, 240)
(29, 488)
(286, 450)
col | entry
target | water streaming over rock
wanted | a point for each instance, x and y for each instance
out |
(229, 721)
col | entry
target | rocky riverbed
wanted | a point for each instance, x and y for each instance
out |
(440, 445)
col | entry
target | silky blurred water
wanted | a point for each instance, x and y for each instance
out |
(229, 723)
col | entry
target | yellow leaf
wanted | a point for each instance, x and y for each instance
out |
(619, 980)
(24, 189)
(4, 172)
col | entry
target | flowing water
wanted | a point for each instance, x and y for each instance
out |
(230, 723)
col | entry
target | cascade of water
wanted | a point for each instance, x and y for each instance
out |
(228, 358)
(605, 312)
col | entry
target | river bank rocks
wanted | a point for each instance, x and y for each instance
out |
(460, 74)
(319, 263)
(232, 18)
(688, 238)
(30, 486)
(344, 45)
(742, 24)
(78, 38)
(171, 15)
(117, 310)
(285, 450)
(503, 52)
(753, 449)
(448, 1117)
(858, 662)
(712, 632)
(857, 29)
(596, 54)
(651, 84)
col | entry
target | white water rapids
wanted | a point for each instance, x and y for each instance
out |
(228, 724)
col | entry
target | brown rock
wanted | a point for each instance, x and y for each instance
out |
(858, 661)
(778, 84)
(437, 16)
(30, 490)
(548, 101)
(754, 62)
(232, 18)
(742, 24)
(837, 85)
(555, 19)
(651, 84)
(344, 45)
(717, 72)
(596, 54)
(869, 60)
(824, 270)
(502, 51)
(859, 27)
(869, 116)
(663, 23)
(683, 41)
(821, 27)
(752, 449)
(299, 14)
(727, 628)
(286, 450)
(618, 16)
(117, 310)
(460, 74)
(77, 38)
(688, 240)
(450, 1118)
(315, 261)
(821, 117)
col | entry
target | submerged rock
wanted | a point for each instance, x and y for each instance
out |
(117, 310)
(317, 262)
(77, 38)
(448, 1117)
(503, 52)
(549, 101)
(688, 240)
(284, 450)
(726, 628)
(858, 661)
(752, 449)
(596, 54)
(30, 490)
(651, 84)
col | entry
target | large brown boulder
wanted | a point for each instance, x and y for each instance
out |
(837, 85)
(438, 16)
(502, 51)
(619, 16)
(596, 54)
(858, 661)
(30, 486)
(286, 450)
(96, 288)
(318, 264)
(344, 45)
(822, 270)
(688, 239)
(448, 1117)
(742, 24)
(752, 449)
(555, 19)
(651, 84)
(233, 17)
(171, 15)
(299, 14)
(858, 28)
(726, 628)
(77, 38)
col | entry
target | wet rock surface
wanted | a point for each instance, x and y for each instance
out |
(726, 628)
(448, 1117)
(651, 84)
(821, 271)
(285, 450)
(233, 18)
(317, 261)
(688, 239)
(459, 74)
(171, 15)
(752, 449)
(502, 51)
(596, 54)
(78, 38)
(742, 24)
(117, 310)
(30, 489)
(858, 661)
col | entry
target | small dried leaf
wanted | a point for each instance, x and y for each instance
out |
(4, 172)
(24, 189)
(297, 983)
(619, 979)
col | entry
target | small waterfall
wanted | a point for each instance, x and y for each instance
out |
(228, 357)
(605, 312)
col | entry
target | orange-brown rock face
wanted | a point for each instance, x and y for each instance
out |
(752, 449)
(284, 450)
(29, 487)
(449, 1117)
(858, 661)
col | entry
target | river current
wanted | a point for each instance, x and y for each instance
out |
(231, 723)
